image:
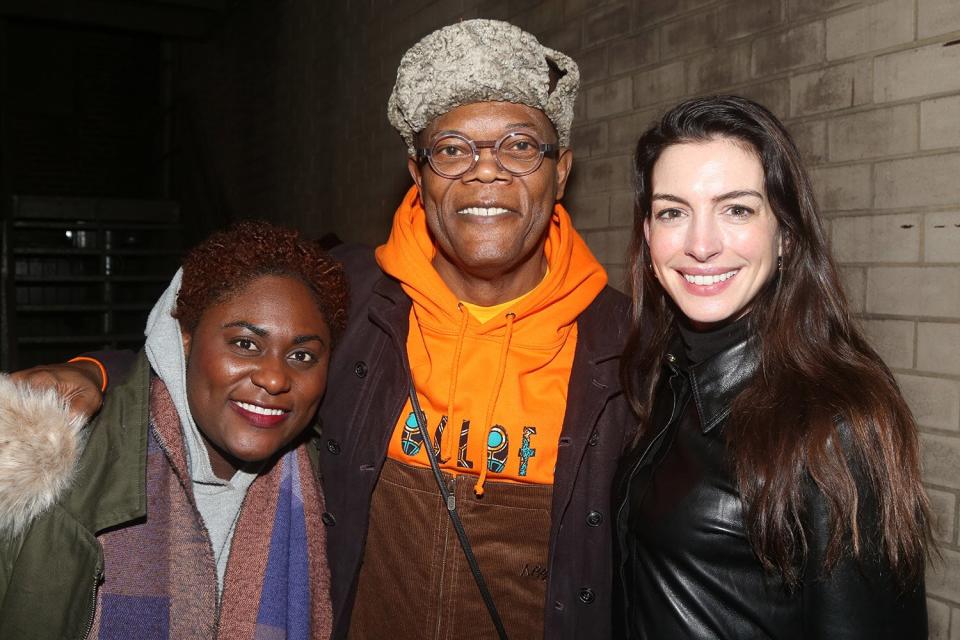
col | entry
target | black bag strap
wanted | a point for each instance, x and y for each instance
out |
(451, 503)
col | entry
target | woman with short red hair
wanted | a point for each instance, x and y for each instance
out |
(195, 508)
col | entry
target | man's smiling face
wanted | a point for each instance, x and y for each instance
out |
(489, 223)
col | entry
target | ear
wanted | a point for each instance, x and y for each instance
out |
(646, 230)
(187, 338)
(414, 170)
(564, 164)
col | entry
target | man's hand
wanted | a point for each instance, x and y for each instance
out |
(76, 382)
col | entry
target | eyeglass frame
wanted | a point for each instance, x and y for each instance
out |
(426, 153)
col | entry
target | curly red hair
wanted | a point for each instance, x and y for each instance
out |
(227, 260)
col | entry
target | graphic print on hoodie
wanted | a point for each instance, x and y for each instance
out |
(494, 393)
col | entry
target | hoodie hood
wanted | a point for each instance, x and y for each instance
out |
(573, 280)
(217, 500)
(164, 347)
(501, 384)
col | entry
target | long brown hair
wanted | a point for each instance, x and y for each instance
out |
(815, 368)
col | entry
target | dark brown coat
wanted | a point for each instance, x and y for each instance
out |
(366, 394)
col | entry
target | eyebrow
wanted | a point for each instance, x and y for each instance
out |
(730, 195)
(260, 331)
(521, 125)
(507, 127)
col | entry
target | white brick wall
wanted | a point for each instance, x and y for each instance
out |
(942, 237)
(935, 402)
(944, 507)
(874, 133)
(830, 88)
(610, 98)
(939, 620)
(938, 347)
(893, 238)
(917, 72)
(937, 17)
(941, 459)
(842, 188)
(660, 83)
(869, 28)
(908, 291)
(918, 181)
(893, 339)
(940, 122)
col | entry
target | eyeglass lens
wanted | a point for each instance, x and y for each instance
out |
(517, 153)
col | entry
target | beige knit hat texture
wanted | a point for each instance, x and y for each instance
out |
(480, 61)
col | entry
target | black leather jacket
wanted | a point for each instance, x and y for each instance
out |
(685, 568)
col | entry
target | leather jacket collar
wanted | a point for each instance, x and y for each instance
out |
(715, 382)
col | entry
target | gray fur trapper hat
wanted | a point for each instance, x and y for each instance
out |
(480, 61)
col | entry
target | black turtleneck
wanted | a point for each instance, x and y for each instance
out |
(701, 345)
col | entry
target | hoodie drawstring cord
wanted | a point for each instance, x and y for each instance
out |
(451, 433)
(494, 396)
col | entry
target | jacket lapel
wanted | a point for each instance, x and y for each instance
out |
(594, 380)
(390, 310)
(717, 381)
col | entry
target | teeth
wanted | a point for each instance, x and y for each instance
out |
(708, 280)
(482, 211)
(252, 408)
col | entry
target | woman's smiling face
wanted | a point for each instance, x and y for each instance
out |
(256, 370)
(713, 238)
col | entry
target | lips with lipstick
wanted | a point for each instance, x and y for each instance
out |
(260, 415)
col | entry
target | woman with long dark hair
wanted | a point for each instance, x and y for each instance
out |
(774, 487)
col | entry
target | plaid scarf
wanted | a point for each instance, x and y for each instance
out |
(160, 579)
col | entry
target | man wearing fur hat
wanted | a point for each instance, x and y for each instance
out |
(486, 324)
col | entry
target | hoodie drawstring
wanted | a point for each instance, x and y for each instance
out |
(446, 448)
(494, 396)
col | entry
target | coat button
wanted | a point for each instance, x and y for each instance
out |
(594, 518)
(329, 520)
(594, 439)
(333, 447)
(360, 369)
(587, 596)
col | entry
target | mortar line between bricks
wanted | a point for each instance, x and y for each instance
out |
(890, 317)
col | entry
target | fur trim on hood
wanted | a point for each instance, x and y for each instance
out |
(39, 448)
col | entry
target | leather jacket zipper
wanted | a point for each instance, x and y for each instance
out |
(656, 438)
(639, 461)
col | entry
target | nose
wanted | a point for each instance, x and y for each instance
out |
(487, 169)
(704, 239)
(271, 375)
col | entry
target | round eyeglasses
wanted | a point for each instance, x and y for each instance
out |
(451, 155)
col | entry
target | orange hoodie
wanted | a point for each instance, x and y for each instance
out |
(501, 384)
